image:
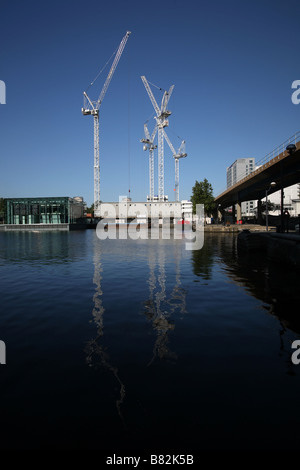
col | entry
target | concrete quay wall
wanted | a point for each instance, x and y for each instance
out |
(33, 227)
(283, 248)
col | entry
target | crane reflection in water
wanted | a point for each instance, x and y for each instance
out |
(166, 303)
(160, 308)
(97, 355)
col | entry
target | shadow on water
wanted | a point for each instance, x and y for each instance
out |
(275, 285)
(202, 260)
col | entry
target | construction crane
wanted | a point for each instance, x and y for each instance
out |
(92, 108)
(177, 155)
(162, 115)
(148, 142)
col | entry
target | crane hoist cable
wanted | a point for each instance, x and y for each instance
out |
(103, 68)
(158, 87)
(178, 136)
(149, 118)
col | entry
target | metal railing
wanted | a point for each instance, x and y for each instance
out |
(281, 149)
(277, 152)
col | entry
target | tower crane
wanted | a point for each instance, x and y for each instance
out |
(92, 108)
(162, 115)
(148, 142)
(177, 155)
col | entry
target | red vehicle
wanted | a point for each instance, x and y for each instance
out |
(183, 222)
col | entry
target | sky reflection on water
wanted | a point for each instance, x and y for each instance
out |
(125, 344)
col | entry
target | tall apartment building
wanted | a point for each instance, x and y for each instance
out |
(239, 169)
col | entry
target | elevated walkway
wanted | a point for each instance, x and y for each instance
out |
(279, 166)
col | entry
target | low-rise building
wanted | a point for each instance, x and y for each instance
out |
(187, 209)
(291, 201)
(235, 172)
(44, 210)
(144, 210)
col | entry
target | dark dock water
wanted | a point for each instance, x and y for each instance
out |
(123, 344)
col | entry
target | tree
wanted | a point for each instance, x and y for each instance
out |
(2, 210)
(90, 210)
(271, 206)
(203, 194)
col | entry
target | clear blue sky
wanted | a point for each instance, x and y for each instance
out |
(232, 63)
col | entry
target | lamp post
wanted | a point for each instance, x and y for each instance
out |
(291, 148)
(219, 214)
(272, 185)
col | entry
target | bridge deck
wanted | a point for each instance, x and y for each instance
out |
(284, 169)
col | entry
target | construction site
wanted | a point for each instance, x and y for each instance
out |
(57, 211)
(162, 114)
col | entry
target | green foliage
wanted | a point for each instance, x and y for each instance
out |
(90, 210)
(2, 210)
(203, 194)
(271, 206)
(2, 204)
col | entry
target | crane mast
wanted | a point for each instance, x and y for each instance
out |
(161, 118)
(149, 145)
(92, 108)
(177, 155)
